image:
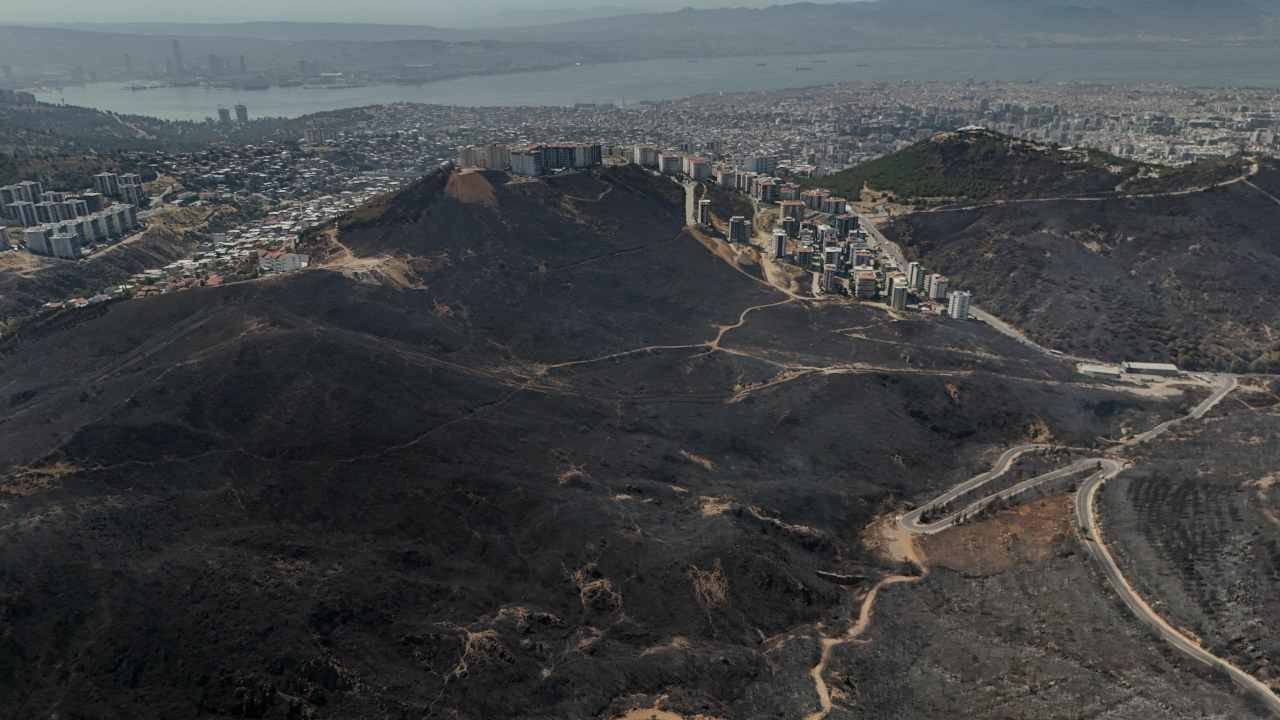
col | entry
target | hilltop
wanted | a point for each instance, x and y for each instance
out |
(979, 165)
(514, 448)
(1168, 264)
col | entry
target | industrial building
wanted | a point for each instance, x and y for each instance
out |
(958, 305)
(282, 262)
(1146, 368)
(1104, 371)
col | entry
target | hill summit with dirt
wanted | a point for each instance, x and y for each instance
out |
(510, 449)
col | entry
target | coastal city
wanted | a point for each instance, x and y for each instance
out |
(821, 130)
(306, 171)
(677, 360)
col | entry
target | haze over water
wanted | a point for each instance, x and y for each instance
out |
(631, 82)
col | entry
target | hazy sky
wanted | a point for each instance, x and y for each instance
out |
(425, 12)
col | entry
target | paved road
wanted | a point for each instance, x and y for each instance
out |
(1086, 517)
(894, 251)
(1226, 383)
(911, 521)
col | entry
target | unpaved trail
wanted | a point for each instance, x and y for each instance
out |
(1091, 534)
(742, 320)
(1253, 170)
(897, 545)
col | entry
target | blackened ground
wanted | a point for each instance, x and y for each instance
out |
(1196, 527)
(1034, 636)
(481, 493)
(1180, 279)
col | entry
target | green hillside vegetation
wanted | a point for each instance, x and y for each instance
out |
(983, 165)
(58, 170)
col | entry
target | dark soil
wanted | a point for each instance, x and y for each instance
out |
(315, 497)
(1196, 526)
(1179, 279)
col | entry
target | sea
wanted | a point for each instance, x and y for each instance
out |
(627, 83)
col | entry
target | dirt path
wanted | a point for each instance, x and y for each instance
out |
(1253, 170)
(742, 320)
(1087, 519)
(896, 545)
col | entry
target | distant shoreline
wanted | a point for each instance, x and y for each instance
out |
(628, 82)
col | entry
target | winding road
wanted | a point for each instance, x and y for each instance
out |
(1091, 533)
(910, 524)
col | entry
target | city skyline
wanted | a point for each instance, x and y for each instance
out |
(484, 13)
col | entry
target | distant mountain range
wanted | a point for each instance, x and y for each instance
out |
(798, 27)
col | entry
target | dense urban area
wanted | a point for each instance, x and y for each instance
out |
(295, 174)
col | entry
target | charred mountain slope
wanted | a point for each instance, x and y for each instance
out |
(491, 462)
(1183, 278)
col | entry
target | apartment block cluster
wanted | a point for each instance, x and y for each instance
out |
(59, 224)
(816, 231)
(680, 162)
(532, 160)
(845, 260)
